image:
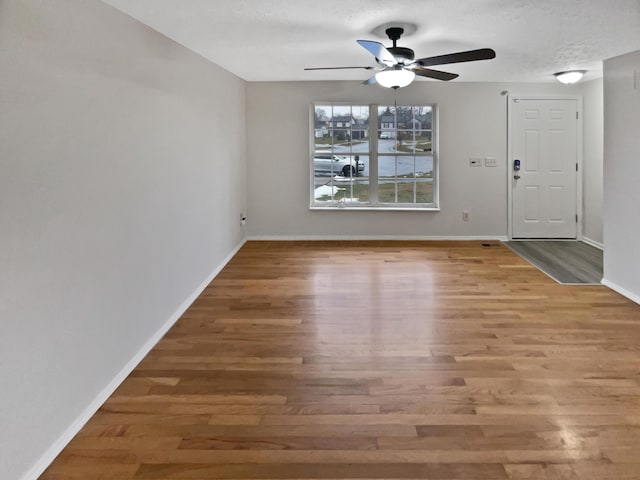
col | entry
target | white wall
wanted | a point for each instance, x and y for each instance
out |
(122, 178)
(593, 153)
(473, 123)
(622, 174)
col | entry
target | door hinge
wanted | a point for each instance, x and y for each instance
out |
(576, 115)
(576, 167)
(576, 218)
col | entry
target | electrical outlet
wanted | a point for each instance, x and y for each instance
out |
(490, 162)
(475, 162)
(465, 215)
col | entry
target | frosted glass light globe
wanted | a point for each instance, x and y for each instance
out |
(395, 78)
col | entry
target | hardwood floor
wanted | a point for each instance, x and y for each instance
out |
(326, 360)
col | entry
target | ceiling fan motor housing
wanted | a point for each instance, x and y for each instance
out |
(401, 54)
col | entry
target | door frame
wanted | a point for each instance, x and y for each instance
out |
(579, 159)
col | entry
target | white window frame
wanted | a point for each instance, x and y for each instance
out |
(373, 203)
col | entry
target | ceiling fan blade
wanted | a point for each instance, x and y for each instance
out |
(437, 74)
(468, 56)
(370, 81)
(379, 51)
(337, 68)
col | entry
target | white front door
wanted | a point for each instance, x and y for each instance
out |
(544, 159)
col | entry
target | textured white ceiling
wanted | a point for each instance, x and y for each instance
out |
(266, 40)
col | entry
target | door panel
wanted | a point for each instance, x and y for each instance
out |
(532, 157)
(544, 139)
(556, 203)
(532, 201)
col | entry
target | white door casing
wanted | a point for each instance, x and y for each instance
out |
(543, 136)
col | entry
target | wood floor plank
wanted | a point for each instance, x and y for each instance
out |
(395, 360)
(404, 470)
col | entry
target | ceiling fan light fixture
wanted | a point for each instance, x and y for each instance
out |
(570, 76)
(399, 66)
(395, 78)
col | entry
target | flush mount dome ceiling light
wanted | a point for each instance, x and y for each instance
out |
(395, 78)
(570, 76)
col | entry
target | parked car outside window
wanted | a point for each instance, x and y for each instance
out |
(337, 165)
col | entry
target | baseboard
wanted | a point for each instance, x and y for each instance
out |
(593, 243)
(52, 452)
(622, 291)
(497, 238)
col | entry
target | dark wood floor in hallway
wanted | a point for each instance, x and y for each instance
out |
(394, 360)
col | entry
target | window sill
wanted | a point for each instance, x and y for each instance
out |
(376, 209)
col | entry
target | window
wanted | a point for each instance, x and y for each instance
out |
(374, 156)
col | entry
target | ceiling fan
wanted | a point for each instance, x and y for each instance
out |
(397, 66)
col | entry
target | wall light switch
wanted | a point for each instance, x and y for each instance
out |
(490, 162)
(475, 162)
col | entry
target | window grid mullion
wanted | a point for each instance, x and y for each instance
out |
(373, 155)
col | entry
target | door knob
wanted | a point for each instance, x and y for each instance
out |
(516, 176)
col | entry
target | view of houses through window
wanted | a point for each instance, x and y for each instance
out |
(373, 156)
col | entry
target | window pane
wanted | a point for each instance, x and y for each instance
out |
(424, 190)
(424, 166)
(387, 173)
(424, 116)
(404, 117)
(387, 141)
(340, 113)
(387, 166)
(423, 141)
(355, 185)
(325, 164)
(406, 190)
(386, 118)
(360, 129)
(406, 165)
(322, 119)
(341, 178)
(341, 138)
(341, 129)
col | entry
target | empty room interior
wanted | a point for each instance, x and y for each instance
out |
(319, 240)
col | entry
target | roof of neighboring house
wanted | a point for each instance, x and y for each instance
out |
(343, 118)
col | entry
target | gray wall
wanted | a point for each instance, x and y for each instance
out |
(473, 123)
(122, 178)
(593, 154)
(622, 174)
